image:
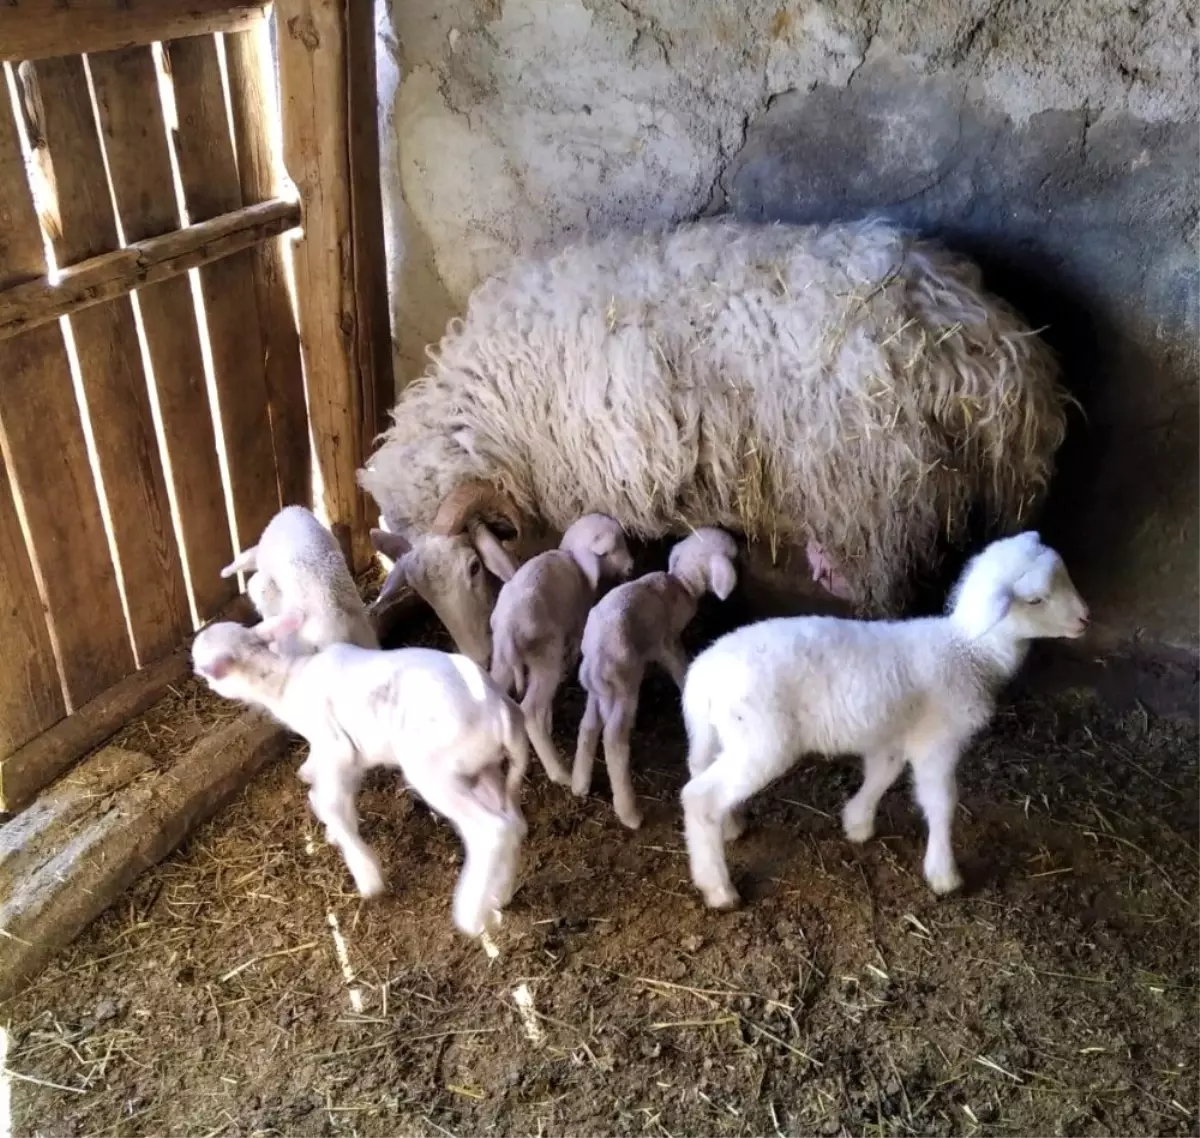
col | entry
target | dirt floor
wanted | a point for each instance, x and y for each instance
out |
(241, 988)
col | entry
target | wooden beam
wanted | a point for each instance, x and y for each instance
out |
(35, 765)
(38, 29)
(72, 854)
(110, 275)
(313, 82)
(255, 105)
(372, 324)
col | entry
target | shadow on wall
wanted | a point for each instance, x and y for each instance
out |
(1087, 227)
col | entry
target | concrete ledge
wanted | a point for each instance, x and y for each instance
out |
(81, 844)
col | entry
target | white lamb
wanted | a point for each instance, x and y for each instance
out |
(436, 717)
(539, 617)
(904, 692)
(637, 624)
(301, 568)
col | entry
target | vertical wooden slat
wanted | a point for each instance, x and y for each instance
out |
(135, 137)
(67, 147)
(208, 171)
(48, 454)
(30, 697)
(255, 110)
(373, 326)
(316, 151)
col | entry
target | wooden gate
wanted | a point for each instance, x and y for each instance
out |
(172, 358)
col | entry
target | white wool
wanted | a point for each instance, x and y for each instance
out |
(436, 717)
(846, 385)
(539, 618)
(635, 625)
(896, 692)
(301, 567)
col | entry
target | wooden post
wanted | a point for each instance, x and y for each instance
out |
(337, 307)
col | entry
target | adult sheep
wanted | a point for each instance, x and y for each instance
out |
(848, 389)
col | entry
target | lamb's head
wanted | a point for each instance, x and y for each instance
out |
(598, 544)
(705, 561)
(454, 567)
(1021, 587)
(241, 663)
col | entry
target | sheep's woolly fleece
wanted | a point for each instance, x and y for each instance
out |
(846, 383)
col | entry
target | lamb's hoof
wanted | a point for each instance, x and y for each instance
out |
(856, 829)
(580, 787)
(370, 883)
(733, 827)
(723, 899)
(630, 819)
(944, 881)
(560, 776)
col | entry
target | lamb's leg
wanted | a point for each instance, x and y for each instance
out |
(538, 706)
(618, 727)
(702, 753)
(674, 659)
(880, 770)
(936, 790)
(585, 748)
(332, 800)
(740, 772)
(488, 836)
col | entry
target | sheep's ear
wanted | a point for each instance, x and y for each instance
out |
(279, 627)
(499, 561)
(722, 577)
(393, 582)
(393, 545)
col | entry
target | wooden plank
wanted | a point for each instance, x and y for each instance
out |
(37, 29)
(35, 765)
(208, 171)
(253, 101)
(101, 827)
(372, 323)
(135, 139)
(48, 460)
(116, 274)
(313, 87)
(62, 129)
(42, 760)
(30, 696)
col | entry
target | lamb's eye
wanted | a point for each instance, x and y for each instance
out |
(1034, 601)
(474, 567)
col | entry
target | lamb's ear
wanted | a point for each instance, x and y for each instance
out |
(279, 627)
(996, 607)
(216, 669)
(246, 560)
(393, 545)
(722, 576)
(589, 562)
(500, 563)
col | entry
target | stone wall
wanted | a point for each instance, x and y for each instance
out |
(1057, 143)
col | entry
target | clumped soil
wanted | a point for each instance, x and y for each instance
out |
(241, 987)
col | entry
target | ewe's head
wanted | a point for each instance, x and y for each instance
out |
(705, 562)
(454, 567)
(237, 662)
(1024, 584)
(597, 542)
